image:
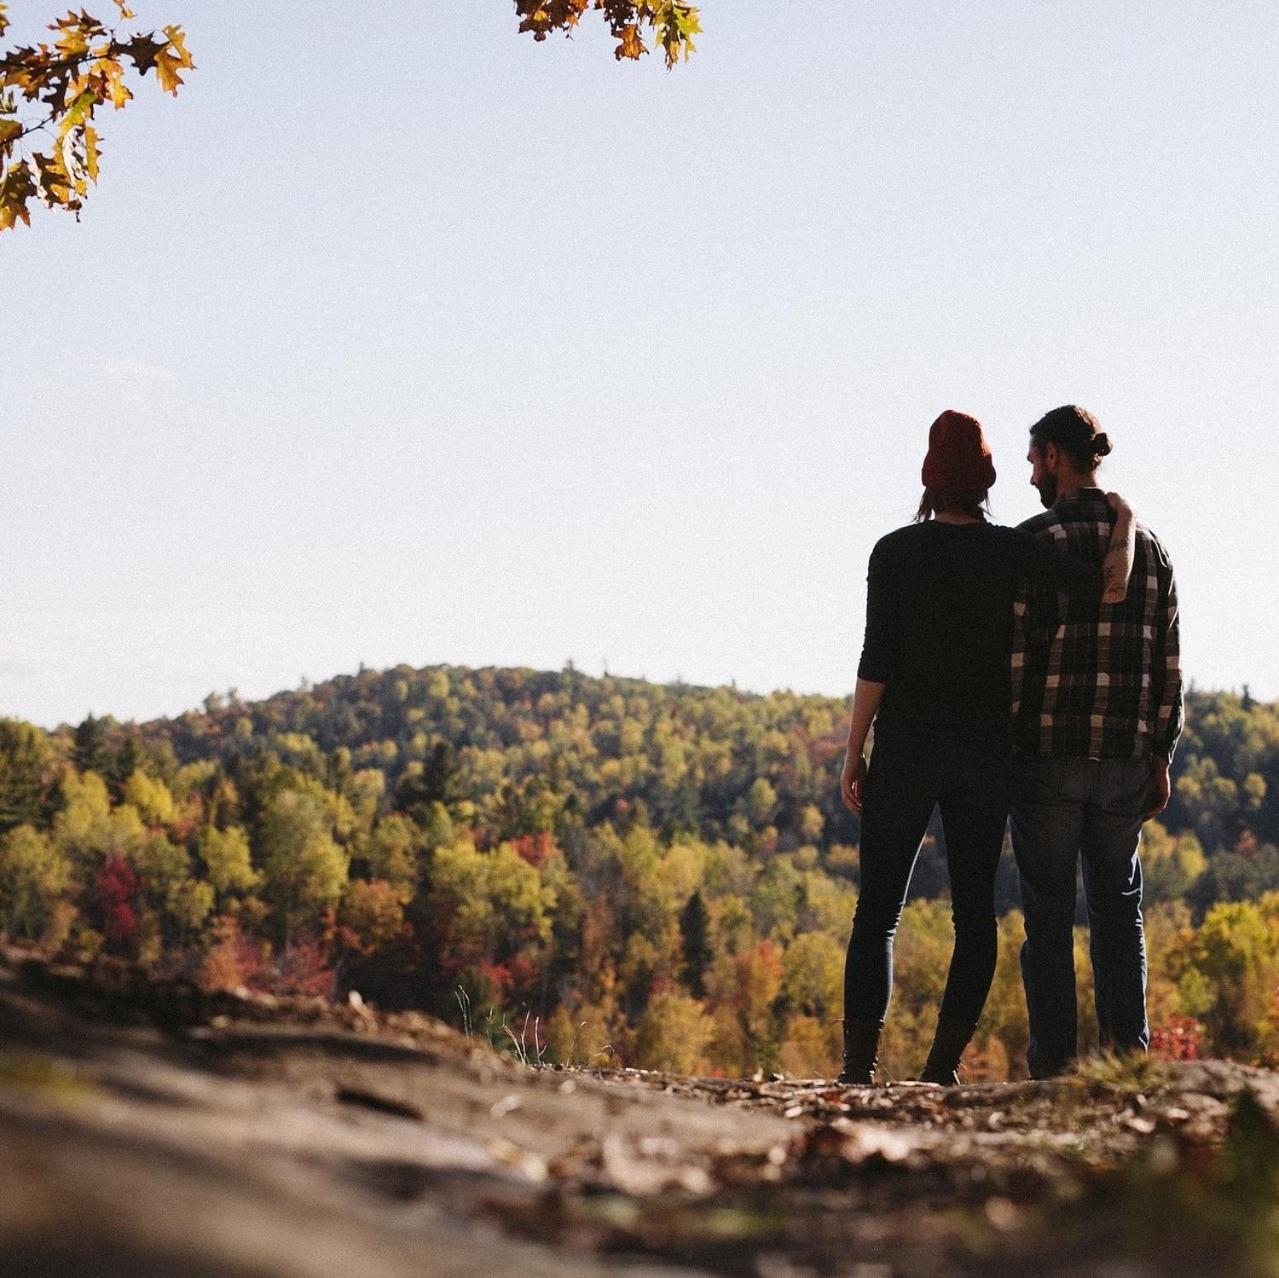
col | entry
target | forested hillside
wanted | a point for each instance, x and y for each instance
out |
(582, 868)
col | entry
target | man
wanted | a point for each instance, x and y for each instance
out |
(1098, 710)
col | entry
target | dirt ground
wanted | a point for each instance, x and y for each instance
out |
(151, 1130)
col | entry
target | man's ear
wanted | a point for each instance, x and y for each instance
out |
(1051, 456)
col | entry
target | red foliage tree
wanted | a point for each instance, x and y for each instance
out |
(304, 968)
(1179, 1039)
(115, 891)
(493, 982)
(536, 849)
(234, 961)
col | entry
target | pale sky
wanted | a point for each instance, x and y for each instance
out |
(400, 338)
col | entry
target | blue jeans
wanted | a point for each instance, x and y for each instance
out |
(1064, 808)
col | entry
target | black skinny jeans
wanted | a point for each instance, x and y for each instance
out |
(909, 775)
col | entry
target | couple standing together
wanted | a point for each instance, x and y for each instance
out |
(1030, 671)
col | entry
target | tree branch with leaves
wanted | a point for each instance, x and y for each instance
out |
(671, 24)
(51, 93)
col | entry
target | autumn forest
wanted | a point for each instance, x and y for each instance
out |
(585, 869)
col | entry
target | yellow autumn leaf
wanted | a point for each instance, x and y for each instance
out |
(78, 112)
(73, 43)
(56, 184)
(629, 45)
(16, 188)
(111, 75)
(171, 59)
(177, 38)
(166, 71)
(91, 152)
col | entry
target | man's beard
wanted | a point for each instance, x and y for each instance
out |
(1047, 490)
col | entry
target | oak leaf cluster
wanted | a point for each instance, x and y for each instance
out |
(52, 91)
(51, 94)
(670, 24)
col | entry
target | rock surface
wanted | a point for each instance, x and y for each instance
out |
(147, 1129)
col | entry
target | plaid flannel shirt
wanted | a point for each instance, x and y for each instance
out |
(1094, 680)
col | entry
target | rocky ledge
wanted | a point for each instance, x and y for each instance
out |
(149, 1129)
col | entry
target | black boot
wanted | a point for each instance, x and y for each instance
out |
(948, 1046)
(861, 1047)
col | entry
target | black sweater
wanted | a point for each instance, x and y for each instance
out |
(939, 612)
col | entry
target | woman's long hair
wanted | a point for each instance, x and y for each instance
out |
(975, 504)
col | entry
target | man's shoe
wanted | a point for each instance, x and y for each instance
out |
(942, 1066)
(861, 1050)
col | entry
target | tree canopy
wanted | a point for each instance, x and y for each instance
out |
(53, 91)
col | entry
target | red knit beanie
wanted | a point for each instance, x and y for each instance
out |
(958, 458)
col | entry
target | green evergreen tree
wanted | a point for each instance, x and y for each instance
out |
(434, 782)
(694, 928)
(25, 780)
(89, 749)
(121, 764)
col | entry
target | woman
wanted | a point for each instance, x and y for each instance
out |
(934, 679)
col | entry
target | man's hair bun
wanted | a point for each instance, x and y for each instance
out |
(1075, 431)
